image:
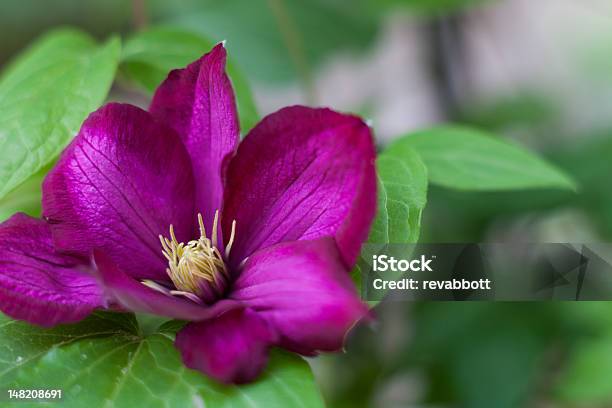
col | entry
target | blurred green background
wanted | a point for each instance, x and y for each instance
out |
(537, 72)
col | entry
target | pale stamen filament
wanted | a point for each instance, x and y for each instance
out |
(188, 295)
(201, 224)
(156, 286)
(214, 233)
(228, 248)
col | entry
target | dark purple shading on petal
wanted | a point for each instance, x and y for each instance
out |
(121, 183)
(136, 297)
(198, 102)
(302, 174)
(39, 285)
(302, 289)
(232, 348)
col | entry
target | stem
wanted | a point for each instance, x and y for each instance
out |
(294, 44)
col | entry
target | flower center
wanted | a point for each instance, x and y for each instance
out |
(196, 268)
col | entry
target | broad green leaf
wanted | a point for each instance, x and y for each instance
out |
(45, 95)
(107, 361)
(402, 194)
(22, 345)
(149, 55)
(468, 159)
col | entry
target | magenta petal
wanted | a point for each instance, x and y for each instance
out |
(38, 284)
(302, 174)
(232, 348)
(121, 183)
(198, 102)
(303, 289)
(135, 296)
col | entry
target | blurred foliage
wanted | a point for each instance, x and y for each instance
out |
(480, 354)
(430, 7)
(586, 379)
(250, 27)
(22, 21)
(590, 162)
(252, 30)
(318, 27)
(512, 354)
(485, 353)
(520, 110)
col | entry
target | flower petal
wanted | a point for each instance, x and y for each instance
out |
(302, 289)
(302, 174)
(232, 348)
(198, 102)
(38, 284)
(135, 296)
(121, 183)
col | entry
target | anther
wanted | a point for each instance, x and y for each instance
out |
(196, 268)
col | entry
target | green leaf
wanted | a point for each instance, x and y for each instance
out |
(107, 361)
(22, 345)
(26, 197)
(468, 159)
(586, 379)
(45, 95)
(149, 55)
(402, 195)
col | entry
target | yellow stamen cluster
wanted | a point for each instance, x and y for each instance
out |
(197, 263)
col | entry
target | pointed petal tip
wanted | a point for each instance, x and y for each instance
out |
(219, 50)
(198, 102)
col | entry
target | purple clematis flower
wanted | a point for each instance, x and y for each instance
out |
(164, 212)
